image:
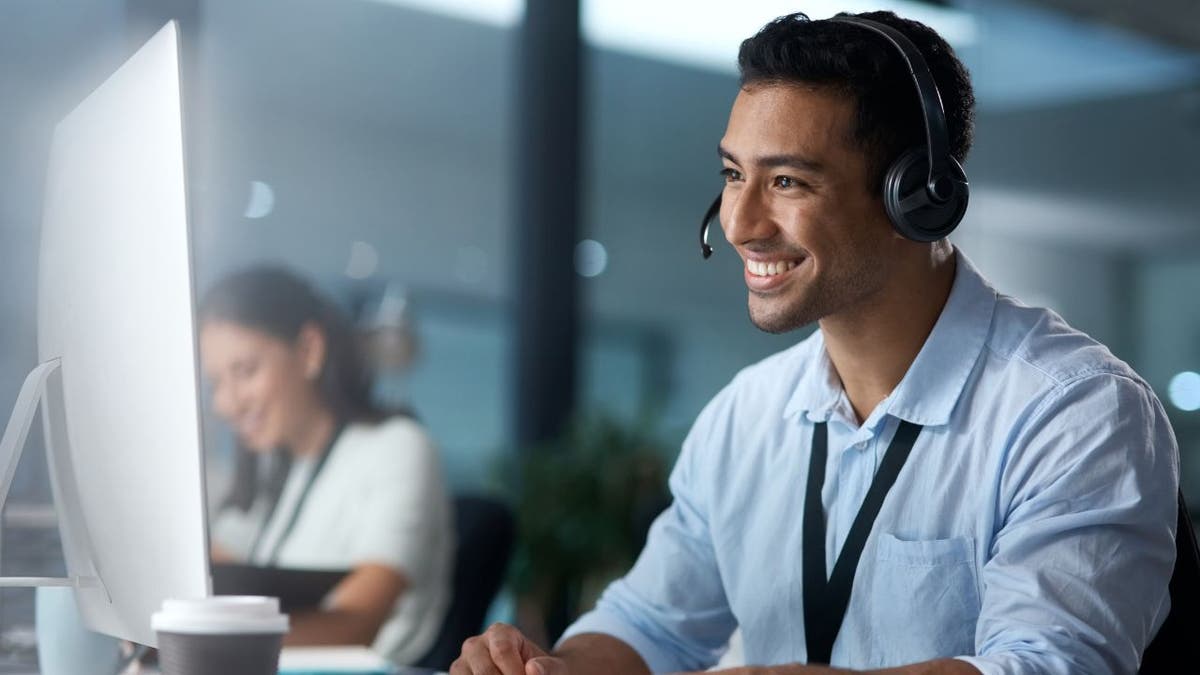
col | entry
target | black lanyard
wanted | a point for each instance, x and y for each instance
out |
(291, 523)
(825, 601)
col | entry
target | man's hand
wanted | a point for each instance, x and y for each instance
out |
(795, 669)
(936, 667)
(503, 650)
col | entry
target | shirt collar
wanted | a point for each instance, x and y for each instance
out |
(819, 388)
(930, 389)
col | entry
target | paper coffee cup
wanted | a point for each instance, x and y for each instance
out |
(227, 634)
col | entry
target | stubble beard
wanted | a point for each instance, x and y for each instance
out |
(799, 305)
(781, 314)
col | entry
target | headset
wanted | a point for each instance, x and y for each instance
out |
(925, 190)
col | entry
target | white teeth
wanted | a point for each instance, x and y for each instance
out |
(763, 269)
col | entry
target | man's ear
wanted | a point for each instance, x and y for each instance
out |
(311, 347)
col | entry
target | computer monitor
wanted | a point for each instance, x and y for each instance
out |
(116, 311)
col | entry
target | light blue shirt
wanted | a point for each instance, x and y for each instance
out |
(1030, 531)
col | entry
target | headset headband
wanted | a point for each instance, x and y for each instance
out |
(937, 141)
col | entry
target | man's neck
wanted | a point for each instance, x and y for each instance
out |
(873, 345)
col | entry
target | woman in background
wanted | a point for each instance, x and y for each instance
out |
(324, 479)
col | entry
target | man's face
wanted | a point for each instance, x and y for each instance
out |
(797, 207)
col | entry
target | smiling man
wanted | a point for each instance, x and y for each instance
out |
(939, 479)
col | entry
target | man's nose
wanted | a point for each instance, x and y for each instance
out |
(744, 216)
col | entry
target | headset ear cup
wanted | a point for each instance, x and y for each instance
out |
(922, 219)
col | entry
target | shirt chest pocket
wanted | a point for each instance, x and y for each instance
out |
(927, 598)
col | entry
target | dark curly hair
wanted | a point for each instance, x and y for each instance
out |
(852, 60)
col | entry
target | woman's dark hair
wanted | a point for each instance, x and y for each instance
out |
(275, 301)
(859, 63)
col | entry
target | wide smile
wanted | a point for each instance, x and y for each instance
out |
(766, 275)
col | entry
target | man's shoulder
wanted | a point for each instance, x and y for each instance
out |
(767, 383)
(781, 369)
(748, 408)
(1040, 344)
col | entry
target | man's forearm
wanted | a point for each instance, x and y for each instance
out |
(938, 667)
(600, 654)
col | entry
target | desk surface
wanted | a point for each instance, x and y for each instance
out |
(335, 660)
(153, 670)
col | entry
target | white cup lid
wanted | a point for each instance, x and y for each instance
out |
(220, 615)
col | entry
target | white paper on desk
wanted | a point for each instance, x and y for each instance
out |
(349, 659)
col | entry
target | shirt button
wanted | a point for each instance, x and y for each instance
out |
(860, 445)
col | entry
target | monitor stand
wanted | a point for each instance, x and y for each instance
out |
(38, 387)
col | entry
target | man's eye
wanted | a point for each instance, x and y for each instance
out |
(787, 182)
(731, 175)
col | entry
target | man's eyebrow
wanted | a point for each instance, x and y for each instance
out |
(794, 161)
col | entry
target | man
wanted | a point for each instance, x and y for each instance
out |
(1030, 528)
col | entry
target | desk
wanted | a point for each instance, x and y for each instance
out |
(147, 670)
(332, 660)
(151, 670)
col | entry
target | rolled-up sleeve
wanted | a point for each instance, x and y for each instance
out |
(1076, 580)
(671, 607)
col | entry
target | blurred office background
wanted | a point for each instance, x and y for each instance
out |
(377, 146)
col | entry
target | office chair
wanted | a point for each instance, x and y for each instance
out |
(486, 530)
(1175, 642)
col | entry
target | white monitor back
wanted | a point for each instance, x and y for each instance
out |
(115, 304)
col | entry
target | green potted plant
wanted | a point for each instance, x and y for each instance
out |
(583, 503)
